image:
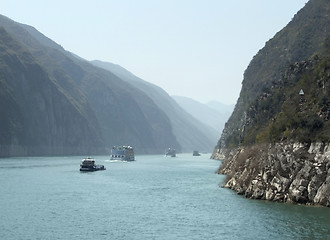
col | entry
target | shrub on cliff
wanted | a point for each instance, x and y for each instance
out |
(282, 113)
(265, 94)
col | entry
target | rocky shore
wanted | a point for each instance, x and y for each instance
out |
(283, 172)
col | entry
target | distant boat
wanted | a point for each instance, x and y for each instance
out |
(88, 165)
(170, 152)
(196, 153)
(123, 153)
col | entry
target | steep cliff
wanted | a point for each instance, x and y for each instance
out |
(297, 42)
(37, 116)
(276, 143)
(56, 103)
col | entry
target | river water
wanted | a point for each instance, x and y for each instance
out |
(152, 198)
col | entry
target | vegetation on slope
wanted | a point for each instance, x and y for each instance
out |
(269, 108)
(282, 113)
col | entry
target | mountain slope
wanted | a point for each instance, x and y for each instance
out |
(295, 43)
(276, 145)
(39, 118)
(115, 112)
(190, 133)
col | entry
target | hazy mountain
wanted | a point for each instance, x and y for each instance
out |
(222, 108)
(190, 133)
(38, 117)
(215, 116)
(55, 103)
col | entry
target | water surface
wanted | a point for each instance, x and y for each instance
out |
(152, 198)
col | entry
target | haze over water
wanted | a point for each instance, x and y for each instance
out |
(152, 198)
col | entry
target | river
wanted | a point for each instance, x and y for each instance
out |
(154, 197)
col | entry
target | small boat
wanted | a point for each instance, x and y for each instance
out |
(88, 165)
(170, 152)
(196, 153)
(123, 153)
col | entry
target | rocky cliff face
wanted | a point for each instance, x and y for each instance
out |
(276, 143)
(298, 41)
(283, 172)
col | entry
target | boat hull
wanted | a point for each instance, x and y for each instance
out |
(92, 169)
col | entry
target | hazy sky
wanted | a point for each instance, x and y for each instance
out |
(192, 48)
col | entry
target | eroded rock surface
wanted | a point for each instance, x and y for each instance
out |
(284, 172)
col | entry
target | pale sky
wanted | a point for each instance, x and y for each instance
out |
(192, 48)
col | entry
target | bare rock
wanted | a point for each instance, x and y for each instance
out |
(291, 172)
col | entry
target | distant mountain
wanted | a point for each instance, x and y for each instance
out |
(190, 133)
(214, 116)
(55, 103)
(222, 108)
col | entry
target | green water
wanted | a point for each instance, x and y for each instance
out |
(152, 198)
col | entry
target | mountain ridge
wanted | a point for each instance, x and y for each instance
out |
(76, 80)
(212, 115)
(112, 108)
(20, 74)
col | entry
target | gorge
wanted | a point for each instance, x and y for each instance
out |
(55, 103)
